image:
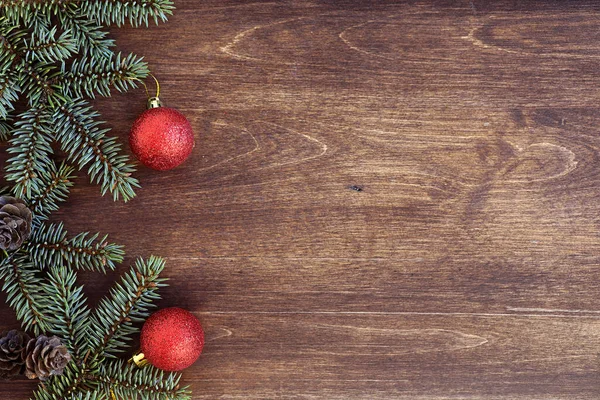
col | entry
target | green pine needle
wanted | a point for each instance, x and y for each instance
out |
(127, 381)
(89, 37)
(56, 182)
(5, 128)
(70, 385)
(112, 323)
(65, 303)
(54, 53)
(24, 293)
(45, 46)
(31, 145)
(54, 56)
(79, 134)
(136, 12)
(8, 93)
(89, 396)
(91, 75)
(49, 246)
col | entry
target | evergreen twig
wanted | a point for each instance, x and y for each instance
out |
(45, 46)
(24, 293)
(129, 382)
(89, 37)
(31, 147)
(137, 12)
(54, 54)
(129, 302)
(5, 128)
(55, 189)
(49, 247)
(66, 386)
(88, 75)
(64, 302)
(78, 132)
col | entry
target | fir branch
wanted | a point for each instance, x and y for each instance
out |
(127, 381)
(57, 182)
(32, 77)
(35, 62)
(9, 57)
(106, 12)
(31, 144)
(24, 293)
(24, 11)
(65, 386)
(40, 22)
(39, 83)
(91, 75)
(35, 4)
(129, 301)
(11, 37)
(23, 73)
(64, 303)
(44, 393)
(5, 128)
(8, 93)
(95, 395)
(49, 246)
(137, 12)
(79, 135)
(45, 46)
(91, 40)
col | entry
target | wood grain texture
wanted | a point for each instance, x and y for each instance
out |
(387, 200)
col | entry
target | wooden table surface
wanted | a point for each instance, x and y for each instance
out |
(387, 200)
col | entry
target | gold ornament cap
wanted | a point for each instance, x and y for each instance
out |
(153, 102)
(139, 360)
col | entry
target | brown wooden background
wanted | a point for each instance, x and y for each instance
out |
(387, 200)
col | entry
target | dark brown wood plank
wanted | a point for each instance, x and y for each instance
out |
(387, 200)
(299, 355)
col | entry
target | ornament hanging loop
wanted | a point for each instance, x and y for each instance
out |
(153, 102)
(157, 85)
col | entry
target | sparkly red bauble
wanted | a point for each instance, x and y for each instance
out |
(172, 339)
(161, 138)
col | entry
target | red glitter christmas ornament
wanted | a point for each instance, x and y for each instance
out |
(172, 339)
(161, 137)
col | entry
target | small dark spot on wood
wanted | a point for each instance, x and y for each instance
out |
(518, 117)
(356, 188)
(472, 5)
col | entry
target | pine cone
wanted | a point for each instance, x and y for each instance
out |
(46, 356)
(11, 353)
(15, 222)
